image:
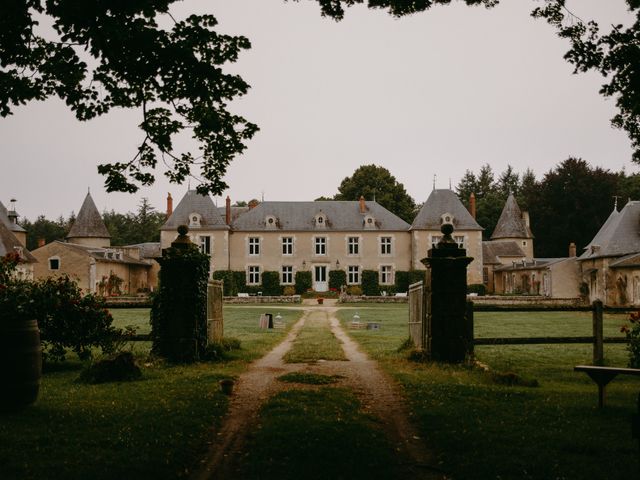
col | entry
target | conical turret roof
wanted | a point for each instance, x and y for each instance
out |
(440, 202)
(89, 222)
(511, 224)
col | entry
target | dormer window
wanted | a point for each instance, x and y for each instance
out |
(194, 220)
(447, 218)
(270, 221)
(369, 221)
(321, 220)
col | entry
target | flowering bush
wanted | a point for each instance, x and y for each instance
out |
(66, 318)
(633, 339)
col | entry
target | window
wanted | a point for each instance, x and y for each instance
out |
(459, 240)
(287, 245)
(287, 275)
(254, 246)
(386, 275)
(205, 244)
(54, 263)
(321, 221)
(385, 245)
(353, 245)
(321, 245)
(434, 240)
(254, 275)
(524, 243)
(485, 275)
(194, 220)
(353, 275)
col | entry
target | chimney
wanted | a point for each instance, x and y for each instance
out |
(572, 249)
(169, 205)
(228, 210)
(472, 205)
(363, 205)
(253, 204)
(41, 242)
(525, 217)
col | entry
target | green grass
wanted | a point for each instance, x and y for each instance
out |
(309, 378)
(157, 427)
(485, 430)
(317, 435)
(315, 342)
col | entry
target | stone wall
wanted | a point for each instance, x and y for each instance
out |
(264, 299)
(372, 299)
(526, 301)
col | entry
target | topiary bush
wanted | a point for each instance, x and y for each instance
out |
(337, 278)
(271, 283)
(289, 291)
(303, 282)
(229, 288)
(478, 288)
(354, 290)
(240, 281)
(179, 312)
(370, 284)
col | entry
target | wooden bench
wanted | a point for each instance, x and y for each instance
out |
(603, 375)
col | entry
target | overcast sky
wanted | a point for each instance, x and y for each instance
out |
(432, 94)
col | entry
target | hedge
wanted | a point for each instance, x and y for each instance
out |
(229, 285)
(370, 283)
(337, 278)
(404, 279)
(271, 283)
(303, 282)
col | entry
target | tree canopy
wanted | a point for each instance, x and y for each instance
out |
(374, 182)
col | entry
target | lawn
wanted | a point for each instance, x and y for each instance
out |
(481, 429)
(157, 427)
(315, 342)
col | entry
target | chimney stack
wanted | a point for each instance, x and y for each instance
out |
(363, 205)
(169, 205)
(41, 242)
(525, 217)
(572, 249)
(228, 210)
(472, 205)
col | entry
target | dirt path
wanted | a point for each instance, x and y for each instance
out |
(378, 394)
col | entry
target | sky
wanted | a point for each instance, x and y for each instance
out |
(426, 96)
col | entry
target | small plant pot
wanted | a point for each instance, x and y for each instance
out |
(226, 386)
(320, 301)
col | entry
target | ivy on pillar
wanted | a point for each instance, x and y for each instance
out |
(447, 278)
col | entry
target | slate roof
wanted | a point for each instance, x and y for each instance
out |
(100, 254)
(235, 212)
(536, 264)
(628, 261)
(300, 216)
(511, 224)
(619, 236)
(4, 218)
(441, 202)
(148, 249)
(493, 250)
(89, 222)
(9, 244)
(192, 202)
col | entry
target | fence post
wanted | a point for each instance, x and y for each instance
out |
(470, 337)
(598, 335)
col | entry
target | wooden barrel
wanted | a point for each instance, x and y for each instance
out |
(20, 363)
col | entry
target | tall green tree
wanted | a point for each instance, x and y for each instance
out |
(372, 181)
(49, 230)
(572, 202)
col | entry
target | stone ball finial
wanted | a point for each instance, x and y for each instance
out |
(183, 230)
(446, 228)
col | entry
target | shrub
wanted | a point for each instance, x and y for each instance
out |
(289, 291)
(370, 283)
(240, 281)
(354, 290)
(303, 281)
(406, 278)
(633, 339)
(478, 288)
(117, 368)
(271, 283)
(337, 278)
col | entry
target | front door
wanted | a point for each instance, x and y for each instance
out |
(320, 278)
